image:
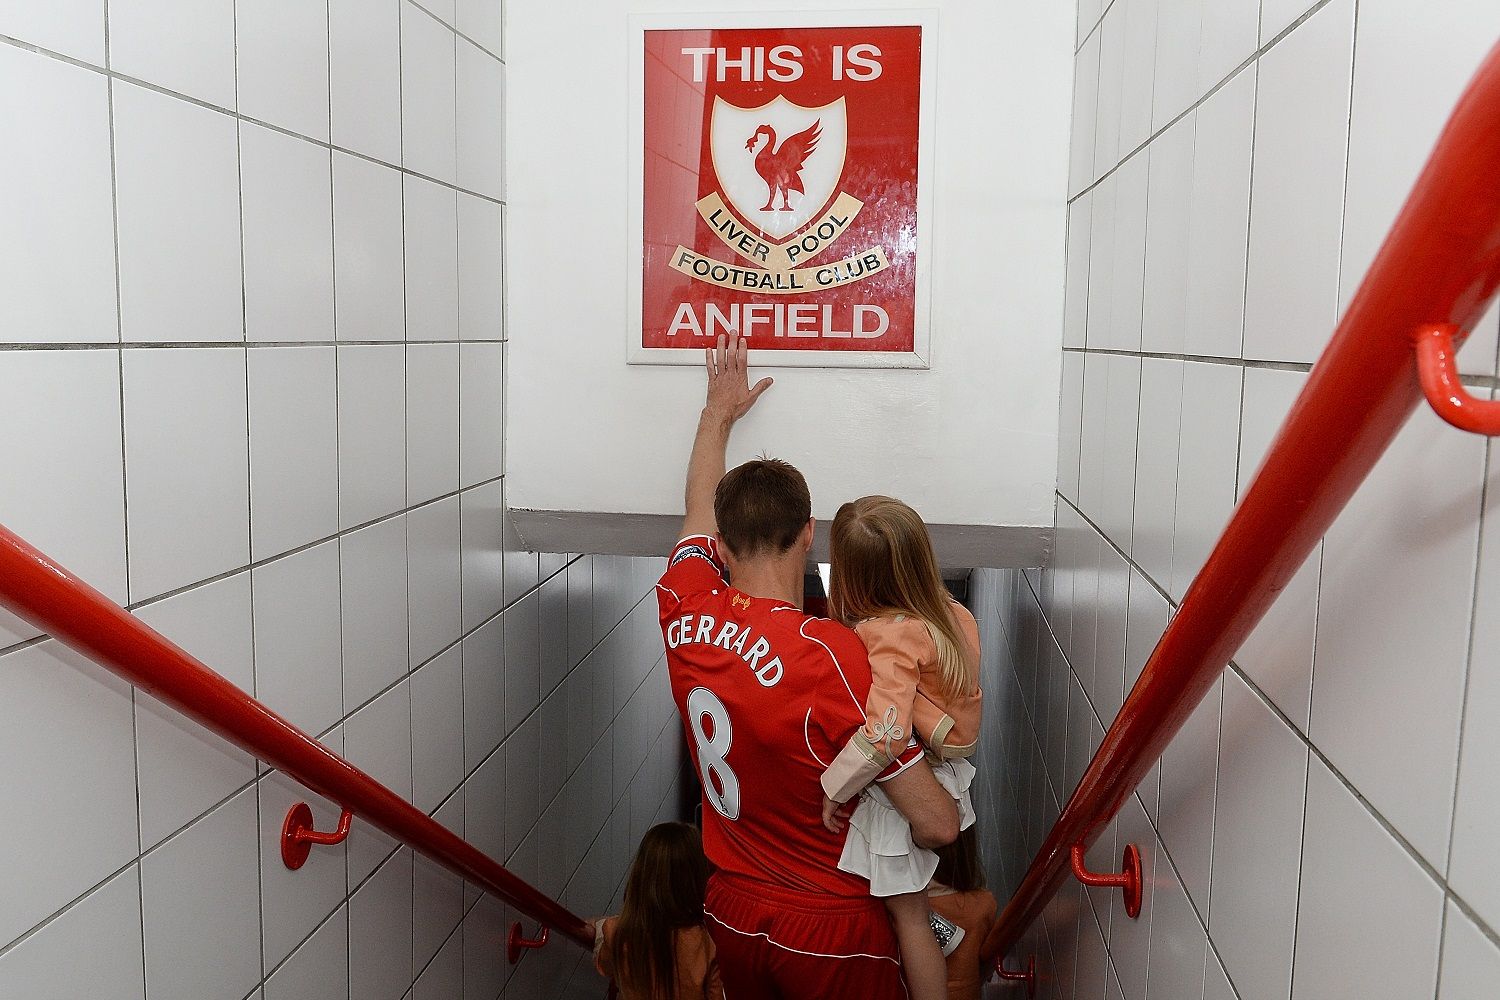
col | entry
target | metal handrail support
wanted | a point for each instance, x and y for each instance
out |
(52, 599)
(1440, 264)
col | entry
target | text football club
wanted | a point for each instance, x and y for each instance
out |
(779, 189)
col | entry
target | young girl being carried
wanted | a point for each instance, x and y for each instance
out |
(924, 665)
(658, 948)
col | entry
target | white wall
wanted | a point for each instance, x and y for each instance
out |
(972, 441)
(321, 522)
(1324, 825)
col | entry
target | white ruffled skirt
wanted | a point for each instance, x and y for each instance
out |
(879, 845)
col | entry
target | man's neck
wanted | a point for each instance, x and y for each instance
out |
(772, 579)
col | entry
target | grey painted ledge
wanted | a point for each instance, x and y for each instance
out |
(958, 546)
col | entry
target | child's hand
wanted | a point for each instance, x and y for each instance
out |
(833, 815)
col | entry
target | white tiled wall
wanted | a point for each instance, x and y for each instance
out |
(1323, 826)
(252, 385)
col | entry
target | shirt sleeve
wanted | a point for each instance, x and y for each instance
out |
(839, 717)
(693, 567)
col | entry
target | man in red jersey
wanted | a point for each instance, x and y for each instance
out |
(768, 696)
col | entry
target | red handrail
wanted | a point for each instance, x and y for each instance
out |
(1439, 265)
(55, 601)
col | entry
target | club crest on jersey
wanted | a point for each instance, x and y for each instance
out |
(740, 602)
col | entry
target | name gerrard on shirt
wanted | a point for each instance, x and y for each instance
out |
(732, 636)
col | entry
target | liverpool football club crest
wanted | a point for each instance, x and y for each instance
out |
(781, 181)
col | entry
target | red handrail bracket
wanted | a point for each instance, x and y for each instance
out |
(1028, 976)
(516, 942)
(298, 835)
(1437, 366)
(1129, 878)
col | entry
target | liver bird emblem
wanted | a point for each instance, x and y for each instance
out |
(781, 168)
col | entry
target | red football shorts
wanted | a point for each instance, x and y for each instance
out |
(776, 944)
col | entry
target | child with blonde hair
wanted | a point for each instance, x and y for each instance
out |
(884, 583)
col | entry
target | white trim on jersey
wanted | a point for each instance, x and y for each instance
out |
(675, 596)
(807, 738)
(839, 666)
(796, 951)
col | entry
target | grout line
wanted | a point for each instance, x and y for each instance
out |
(1472, 380)
(459, 34)
(253, 345)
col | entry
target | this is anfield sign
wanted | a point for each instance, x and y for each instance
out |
(781, 173)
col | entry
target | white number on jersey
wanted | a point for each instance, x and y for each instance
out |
(720, 785)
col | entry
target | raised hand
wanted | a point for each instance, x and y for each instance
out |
(729, 392)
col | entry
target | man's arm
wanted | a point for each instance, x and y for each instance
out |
(729, 398)
(927, 806)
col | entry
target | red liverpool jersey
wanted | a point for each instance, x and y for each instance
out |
(768, 697)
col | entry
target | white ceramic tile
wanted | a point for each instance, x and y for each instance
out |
(481, 412)
(364, 44)
(1092, 956)
(1416, 511)
(182, 45)
(377, 739)
(431, 261)
(1076, 297)
(372, 432)
(1175, 84)
(294, 475)
(182, 768)
(1137, 78)
(1130, 940)
(288, 240)
(1257, 844)
(373, 580)
(1094, 426)
(485, 806)
(444, 978)
(580, 609)
(1206, 451)
(1368, 917)
(1070, 425)
(1156, 467)
(522, 659)
(437, 712)
(483, 21)
(1189, 774)
(428, 100)
(1219, 219)
(1178, 944)
(1128, 274)
(380, 929)
(64, 485)
(294, 902)
(91, 950)
(200, 908)
(1276, 15)
(1396, 117)
(1216, 984)
(319, 968)
(69, 739)
(1085, 103)
(174, 161)
(482, 515)
(1476, 820)
(523, 797)
(298, 663)
(431, 421)
(57, 263)
(1168, 225)
(1301, 123)
(282, 64)
(1108, 691)
(1227, 37)
(186, 456)
(481, 121)
(432, 556)
(481, 269)
(484, 700)
(1278, 654)
(1102, 263)
(368, 263)
(72, 27)
(438, 907)
(1107, 150)
(1471, 961)
(485, 968)
(1122, 404)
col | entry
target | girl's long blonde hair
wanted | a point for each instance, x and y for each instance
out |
(882, 564)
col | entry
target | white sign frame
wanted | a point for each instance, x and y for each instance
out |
(927, 18)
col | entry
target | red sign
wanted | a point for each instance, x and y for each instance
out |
(779, 189)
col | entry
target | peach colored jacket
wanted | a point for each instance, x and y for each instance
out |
(904, 700)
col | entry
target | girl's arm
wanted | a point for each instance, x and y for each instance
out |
(895, 650)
